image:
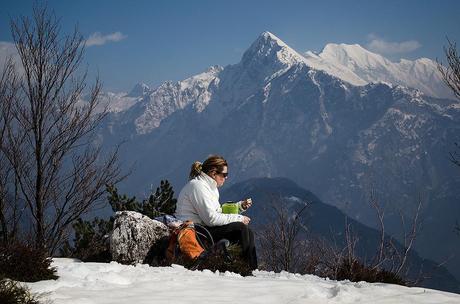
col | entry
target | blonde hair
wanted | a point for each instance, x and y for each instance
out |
(212, 163)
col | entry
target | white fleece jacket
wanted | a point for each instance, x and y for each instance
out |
(198, 201)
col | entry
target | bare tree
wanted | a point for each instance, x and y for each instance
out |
(280, 243)
(49, 135)
(409, 236)
(284, 247)
(8, 209)
(451, 72)
(451, 76)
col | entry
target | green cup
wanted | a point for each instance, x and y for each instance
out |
(230, 208)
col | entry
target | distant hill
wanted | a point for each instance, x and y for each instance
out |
(328, 222)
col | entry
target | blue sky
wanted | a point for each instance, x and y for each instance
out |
(155, 41)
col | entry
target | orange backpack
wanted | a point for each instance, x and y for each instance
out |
(183, 240)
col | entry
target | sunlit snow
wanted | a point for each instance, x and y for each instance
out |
(99, 283)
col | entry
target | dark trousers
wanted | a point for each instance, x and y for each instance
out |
(239, 233)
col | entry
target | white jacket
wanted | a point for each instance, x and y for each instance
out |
(198, 201)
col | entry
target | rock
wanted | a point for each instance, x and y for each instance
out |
(134, 236)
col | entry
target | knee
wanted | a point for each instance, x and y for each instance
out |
(241, 229)
(240, 226)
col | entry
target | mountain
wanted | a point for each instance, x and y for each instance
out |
(170, 97)
(274, 115)
(139, 90)
(358, 66)
(327, 222)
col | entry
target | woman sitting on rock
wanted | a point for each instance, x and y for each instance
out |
(198, 201)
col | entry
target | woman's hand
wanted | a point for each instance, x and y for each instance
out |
(246, 220)
(246, 204)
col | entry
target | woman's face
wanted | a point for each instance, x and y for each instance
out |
(220, 177)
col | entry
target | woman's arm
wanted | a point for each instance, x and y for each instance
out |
(209, 210)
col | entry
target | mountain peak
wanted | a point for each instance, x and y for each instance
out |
(267, 36)
(347, 53)
(139, 90)
(268, 47)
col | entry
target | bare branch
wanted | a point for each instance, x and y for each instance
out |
(48, 135)
(451, 72)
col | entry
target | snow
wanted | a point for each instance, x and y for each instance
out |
(267, 89)
(322, 107)
(358, 66)
(118, 102)
(99, 283)
(268, 44)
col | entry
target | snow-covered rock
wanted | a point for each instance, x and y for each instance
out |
(133, 236)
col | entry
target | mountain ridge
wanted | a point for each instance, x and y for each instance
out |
(350, 63)
(355, 64)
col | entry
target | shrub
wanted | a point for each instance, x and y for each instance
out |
(159, 203)
(91, 242)
(13, 293)
(25, 263)
(356, 271)
(216, 261)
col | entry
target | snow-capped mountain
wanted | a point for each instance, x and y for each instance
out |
(359, 66)
(350, 63)
(170, 97)
(275, 114)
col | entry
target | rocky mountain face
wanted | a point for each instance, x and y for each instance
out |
(275, 115)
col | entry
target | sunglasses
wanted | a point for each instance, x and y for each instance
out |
(224, 175)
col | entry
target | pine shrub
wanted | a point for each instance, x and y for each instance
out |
(159, 203)
(25, 263)
(122, 202)
(91, 242)
(12, 292)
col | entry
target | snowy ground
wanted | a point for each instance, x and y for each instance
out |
(97, 283)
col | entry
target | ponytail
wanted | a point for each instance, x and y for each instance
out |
(195, 170)
(212, 163)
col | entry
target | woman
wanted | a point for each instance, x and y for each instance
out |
(198, 201)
